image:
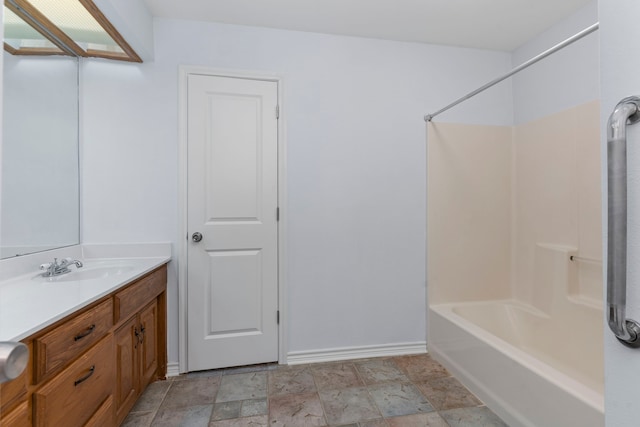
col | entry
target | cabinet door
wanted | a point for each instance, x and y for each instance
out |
(127, 373)
(149, 343)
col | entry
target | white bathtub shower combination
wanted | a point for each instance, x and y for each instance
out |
(514, 278)
(523, 363)
(536, 364)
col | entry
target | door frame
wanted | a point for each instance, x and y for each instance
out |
(183, 73)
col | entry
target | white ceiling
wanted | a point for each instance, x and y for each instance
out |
(486, 24)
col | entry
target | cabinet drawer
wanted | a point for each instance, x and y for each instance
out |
(19, 417)
(130, 300)
(64, 343)
(77, 393)
(103, 417)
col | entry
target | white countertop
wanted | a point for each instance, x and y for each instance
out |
(29, 302)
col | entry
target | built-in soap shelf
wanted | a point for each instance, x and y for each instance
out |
(564, 276)
(585, 301)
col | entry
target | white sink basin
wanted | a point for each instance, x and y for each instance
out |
(93, 271)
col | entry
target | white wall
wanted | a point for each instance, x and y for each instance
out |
(563, 80)
(134, 22)
(1, 111)
(620, 62)
(356, 163)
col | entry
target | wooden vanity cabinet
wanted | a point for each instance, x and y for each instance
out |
(89, 368)
(136, 357)
(140, 340)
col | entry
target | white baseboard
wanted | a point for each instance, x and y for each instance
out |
(173, 369)
(348, 353)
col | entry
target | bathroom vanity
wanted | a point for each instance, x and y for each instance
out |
(96, 340)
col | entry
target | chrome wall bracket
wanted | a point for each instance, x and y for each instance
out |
(627, 112)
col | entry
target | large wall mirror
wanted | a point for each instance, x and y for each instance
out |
(40, 160)
(43, 41)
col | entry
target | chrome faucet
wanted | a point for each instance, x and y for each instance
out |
(56, 268)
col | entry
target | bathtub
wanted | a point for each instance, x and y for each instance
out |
(522, 363)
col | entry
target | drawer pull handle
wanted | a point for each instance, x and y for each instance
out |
(86, 377)
(85, 333)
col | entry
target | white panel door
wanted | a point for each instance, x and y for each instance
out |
(232, 201)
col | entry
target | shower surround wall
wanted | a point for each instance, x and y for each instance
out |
(507, 208)
(557, 200)
(495, 192)
(469, 183)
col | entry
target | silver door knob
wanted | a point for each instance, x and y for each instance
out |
(196, 237)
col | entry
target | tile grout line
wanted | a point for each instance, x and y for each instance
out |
(155, 411)
(213, 403)
(269, 398)
(366, 386)
(315, 384)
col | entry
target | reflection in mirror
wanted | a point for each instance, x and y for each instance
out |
(21, 37)
(40, 182)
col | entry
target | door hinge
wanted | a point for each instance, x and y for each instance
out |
(277, 214)
(277, 111)
(278, 317)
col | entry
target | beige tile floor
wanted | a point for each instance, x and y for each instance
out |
(406, 391)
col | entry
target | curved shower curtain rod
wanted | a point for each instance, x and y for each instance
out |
(519, 68)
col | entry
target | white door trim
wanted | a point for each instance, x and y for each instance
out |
(183, 73)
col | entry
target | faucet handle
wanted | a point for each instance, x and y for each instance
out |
(45, 266)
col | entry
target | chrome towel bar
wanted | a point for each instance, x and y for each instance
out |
(627, 112)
